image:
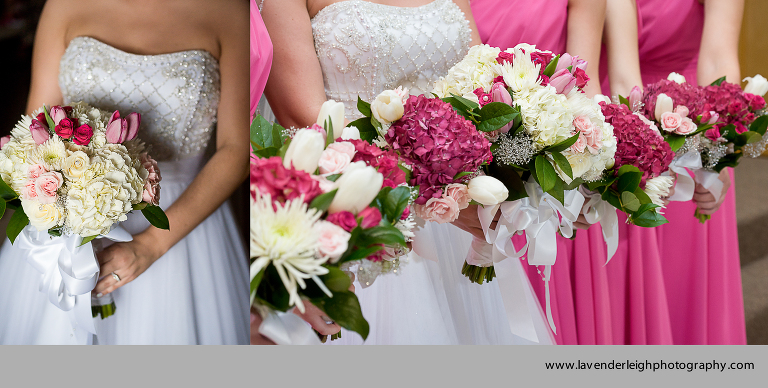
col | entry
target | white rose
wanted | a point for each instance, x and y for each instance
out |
(679, 78)
(487, 190)
(305, 150)
(76, 164)
(358, 186)
(42, 217)
(601, 98)
(333, 241)
(350, 133)
(756, 85)
(333, 112)
(664, 104)
(388, 107)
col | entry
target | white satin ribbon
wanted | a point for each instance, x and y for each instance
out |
(711, 181)
(287, 329)
(597, 210)
(685, 185)
(69, 272)
(539, 217)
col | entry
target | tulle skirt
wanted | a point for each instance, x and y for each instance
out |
(433, 303)
(197, 293)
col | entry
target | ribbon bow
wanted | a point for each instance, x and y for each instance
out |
(69, 271)
(685, 184)
(287, 329)
(596, 210)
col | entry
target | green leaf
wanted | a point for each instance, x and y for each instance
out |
(563, 163)
(495, 115)
(627, 168)
(367, 130)
(267, 152)
(461, 175)
(284, 149)
(759, 125)
(336, 280)
(510, 177)
(264, 134)
(558, 191)
(574, 184)
(255, 283)
(323, 201)
(55, 232)
(140, 205)
(333, 177)
(364, 107)
(550, 69)
(382, 234)
(623, 100)
(344, 309)
(88, 239)
(470, 105)
(545, 173)
(629, 182)
(396, 202)
(6, 192)
(642, 196)
(17, 223)
(360, 253)
(612, 198)
(2, 208)
(330, 137)
(272, 290)
(718, 81)
(752, 137)
(649, 219)
(675, 141)
(645, 208)
(563, 145)
(629, 201)
(156, 216)
(49, 120)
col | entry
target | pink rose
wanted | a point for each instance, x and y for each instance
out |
(581, 77)
(670, 121)
(583, 124)
(151, 194)
(686, 126)
(4, 140)
(344, 147)
(371, 217)
(333, 162)
(28, 191)
(39, 131)
(35, 171)
(441, 210)
(333, 241)
(46, 186)
(563, 81)
(713, 133)
(459, 193)
(65, 128)
(326, 185)
(682, 110)
(580, 144)
(406, 213)
(505, 57)
(83, 135)
(346, 220)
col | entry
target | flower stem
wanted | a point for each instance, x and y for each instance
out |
(477, 274)
(104, 311)
(702, 217)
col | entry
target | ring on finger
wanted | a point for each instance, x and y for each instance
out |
(327, 320)
(114, 276)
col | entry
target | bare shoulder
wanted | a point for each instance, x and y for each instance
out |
(226, 16)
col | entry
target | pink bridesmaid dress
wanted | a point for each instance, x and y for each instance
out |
(580, 303)
(261, 56)
(701, 265)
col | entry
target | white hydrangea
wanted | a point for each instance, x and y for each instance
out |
(474, 71)
(546, 115)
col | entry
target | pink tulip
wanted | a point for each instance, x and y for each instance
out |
(499, 93)
(57, 114)
(39, 132)
(564, 61)
(563, 81)
(635, 96)
(4, 140)
(121, 130)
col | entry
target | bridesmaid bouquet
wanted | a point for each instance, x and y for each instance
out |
(72, 173)
(321, 201)
(730, 120)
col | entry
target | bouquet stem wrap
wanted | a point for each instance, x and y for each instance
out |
(539, 217)
(69, 272)
(286, 329)
(685, 185)
(597, 210)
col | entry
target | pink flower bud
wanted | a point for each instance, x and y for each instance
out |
(4, 140)
(57, 114)
(635, 97)
(39, 132)
(563, 81)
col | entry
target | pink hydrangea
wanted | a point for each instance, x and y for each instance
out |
(685, 94)
(438, 143)
(384, 161)
(637, 144)
(732, 105)
(282, 184)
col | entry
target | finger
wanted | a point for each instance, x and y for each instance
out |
(700, 198)
(107, 254)
(103, 285)
(318, 323)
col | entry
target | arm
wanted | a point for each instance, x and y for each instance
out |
(48, 50)
(464, 5)
(221, 175)
(585, 30)
(620, 39)
(719, 52)
(295, 86)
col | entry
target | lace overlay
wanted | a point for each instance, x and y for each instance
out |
(176, 94)
(365, 48)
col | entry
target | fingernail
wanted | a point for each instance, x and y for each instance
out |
(99, 295)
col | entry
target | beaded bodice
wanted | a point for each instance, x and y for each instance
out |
(365, 48)
(177, 94)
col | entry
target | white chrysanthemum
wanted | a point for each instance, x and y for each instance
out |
(523, 74)
(658, 188)
(546, 116)
(472, 72)
(21, 133)
(50, 154)
(286, 238)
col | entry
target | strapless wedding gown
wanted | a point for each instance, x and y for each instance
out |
(365, 48)
(197, 293)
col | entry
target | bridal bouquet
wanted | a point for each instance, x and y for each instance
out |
(72, 173)
(320, 201)
(709, 127)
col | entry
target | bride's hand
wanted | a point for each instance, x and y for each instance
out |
(256, 337)
(705, 200)
(469, 222)
(127, 260)
(317, 318)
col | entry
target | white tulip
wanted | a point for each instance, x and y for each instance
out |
(305, 150)
(388, 107)
(602, 98)
(756, 85)
(358, 186)
(350, 133)
(679, 78)
(664, 104)
(333, 112)
(487, 190)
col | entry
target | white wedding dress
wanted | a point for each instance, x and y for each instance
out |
(365, 48)
(197, 293)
